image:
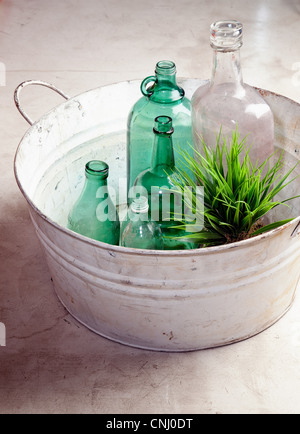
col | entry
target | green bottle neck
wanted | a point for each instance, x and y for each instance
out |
(163, 161)
(96, 173)
(95, 180)
(166, 89)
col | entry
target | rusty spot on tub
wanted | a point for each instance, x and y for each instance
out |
(169, 335)
(263, 92)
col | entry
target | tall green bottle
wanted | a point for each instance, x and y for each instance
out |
(161, 96)
(94, 214)
(157, 184)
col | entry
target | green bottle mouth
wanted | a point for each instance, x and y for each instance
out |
(166, 67)
(97, 168)
(163, 125)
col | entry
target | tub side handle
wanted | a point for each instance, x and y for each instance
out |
(33, 82)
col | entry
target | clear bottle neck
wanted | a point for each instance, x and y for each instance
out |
(138, 210)
(138, 216)
(226, 68)
(226, 40)
(163, 161)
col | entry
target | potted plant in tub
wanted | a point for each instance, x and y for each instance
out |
(237, 196)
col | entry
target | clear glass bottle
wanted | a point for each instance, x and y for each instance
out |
(140, 232)
(94, 214)
(156, 182)
(161, 96)
(227, 102)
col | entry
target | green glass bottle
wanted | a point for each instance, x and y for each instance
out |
(94, 214)
(157, 184)
(140, 232)
(161, 96)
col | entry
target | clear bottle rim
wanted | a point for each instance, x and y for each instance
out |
(226, 35)
(140, 205)
(97, 168)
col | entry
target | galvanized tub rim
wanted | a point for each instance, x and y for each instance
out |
(198, 251)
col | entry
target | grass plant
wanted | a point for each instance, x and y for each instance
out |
(237, 195)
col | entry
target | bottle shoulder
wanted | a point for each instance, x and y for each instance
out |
(141, 113)
(217, 94)
(200, 92)
(143, 235)
(149, 178)
(239, 103)
(148, 103)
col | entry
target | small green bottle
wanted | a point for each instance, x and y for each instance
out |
(157, 184)
(94, 214)
(161, 96)
(140, 232)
